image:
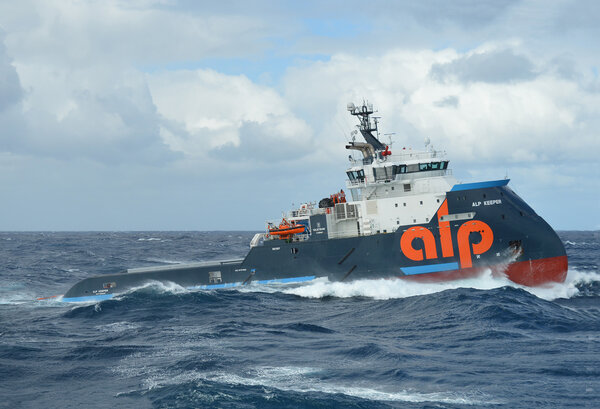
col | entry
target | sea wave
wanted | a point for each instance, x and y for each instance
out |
(307, 380)
(385, 289)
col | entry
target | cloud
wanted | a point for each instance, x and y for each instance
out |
(496, 66)
(85, 33)
(10, 86)
(207, 113)
(465, 13)
(98, 113)
(449, 101)
(543, 117)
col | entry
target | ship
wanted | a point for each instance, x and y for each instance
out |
(402, 215)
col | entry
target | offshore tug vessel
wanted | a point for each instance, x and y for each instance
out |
(404, 216)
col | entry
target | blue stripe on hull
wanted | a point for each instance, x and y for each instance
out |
(432, 268)
(89, 298)
(230, 285)
(287, 280)
(479, 185)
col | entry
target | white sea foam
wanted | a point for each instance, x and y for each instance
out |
(157, 287)
(121, 326)
(16, 298)
(305, 380)
(385, 289)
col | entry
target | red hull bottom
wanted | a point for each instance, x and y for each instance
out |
(530, 273)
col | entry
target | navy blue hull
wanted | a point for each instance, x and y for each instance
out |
(519, 236)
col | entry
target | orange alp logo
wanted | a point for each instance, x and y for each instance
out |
(466, 249)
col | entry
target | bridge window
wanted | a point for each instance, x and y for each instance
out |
(356, 175)
(412, 168)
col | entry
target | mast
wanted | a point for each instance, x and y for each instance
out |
(367, 126)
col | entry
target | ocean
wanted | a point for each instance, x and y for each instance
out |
(478, 343)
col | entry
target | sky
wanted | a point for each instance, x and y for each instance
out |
(198, 115)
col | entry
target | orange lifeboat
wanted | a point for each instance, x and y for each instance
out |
(286, 229)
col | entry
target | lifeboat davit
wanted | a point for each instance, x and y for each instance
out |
(286, 229)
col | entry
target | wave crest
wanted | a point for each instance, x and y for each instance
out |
(385, 289)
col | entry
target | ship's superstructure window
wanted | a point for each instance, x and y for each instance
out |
(407, 187)
(388, 173)
(356, 175)
(433, 166)
(400, 169)
(412, 168)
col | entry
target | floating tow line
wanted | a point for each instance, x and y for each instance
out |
(47, 298)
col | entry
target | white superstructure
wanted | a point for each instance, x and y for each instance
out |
(386, 190)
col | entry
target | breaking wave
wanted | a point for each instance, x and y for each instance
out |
(386, 289)
(307, 380)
